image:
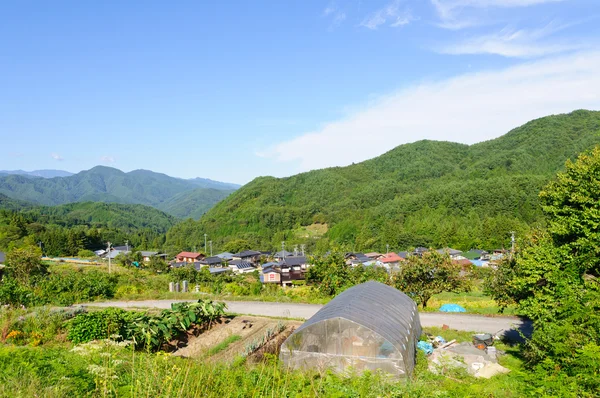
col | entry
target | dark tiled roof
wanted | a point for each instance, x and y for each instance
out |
(291, 261)
(403, 254)
(247, 253)
(212, 260)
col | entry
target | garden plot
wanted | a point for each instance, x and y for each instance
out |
(212, 344)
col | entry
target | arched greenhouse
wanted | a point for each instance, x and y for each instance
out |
(367, 327)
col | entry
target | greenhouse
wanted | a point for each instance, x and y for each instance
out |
(367, 327)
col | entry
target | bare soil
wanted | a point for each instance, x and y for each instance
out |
(249, 328)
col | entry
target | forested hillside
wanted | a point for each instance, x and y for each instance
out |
(425, 193)
(106, 184)
(65, 230)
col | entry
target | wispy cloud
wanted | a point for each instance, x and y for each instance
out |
(56, 156)
(392, 14)
(468, 108)
(107, 159)
(336, 15)
(521, 43)
(455, 14)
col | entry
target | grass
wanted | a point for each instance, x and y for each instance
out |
(475, 302)
(222, 346)
(54, 368)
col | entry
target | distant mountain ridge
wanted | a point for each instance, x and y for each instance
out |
(38, 173)
(427, 193)
(107, 184)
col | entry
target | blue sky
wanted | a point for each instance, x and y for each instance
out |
(234, 90)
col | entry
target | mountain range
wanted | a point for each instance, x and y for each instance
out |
(176, 196)
(427, 193)
(38, 173)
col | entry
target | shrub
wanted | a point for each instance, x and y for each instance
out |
(86, 254)
(98, 325)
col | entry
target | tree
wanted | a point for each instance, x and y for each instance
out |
(24, 263)
(423, 276)
(329, 273)
(554, 277)
(157, 264)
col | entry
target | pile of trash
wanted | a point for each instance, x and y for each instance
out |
(479, 358)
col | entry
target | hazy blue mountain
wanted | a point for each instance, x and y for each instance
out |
(107, 184)
(38, 173)
(208, 183)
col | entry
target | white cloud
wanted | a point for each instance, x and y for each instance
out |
(107, 159)
(451, 12)
(335, 14)
(391, 14)
(468, 108)
(522, 43)
(56, 156)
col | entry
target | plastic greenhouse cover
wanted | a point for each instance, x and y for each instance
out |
(369, 326)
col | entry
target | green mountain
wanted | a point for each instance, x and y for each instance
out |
(193, 203)
(64, 230)
(12, 204)
(103, 215)
(106, 184)
(426, 193)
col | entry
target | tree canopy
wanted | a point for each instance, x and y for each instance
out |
(554, 276)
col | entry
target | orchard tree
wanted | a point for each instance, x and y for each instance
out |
(330, 274)
(420, 277)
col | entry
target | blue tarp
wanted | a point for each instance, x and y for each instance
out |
(452, 308)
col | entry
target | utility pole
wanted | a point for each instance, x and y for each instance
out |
(295, 250)
(40, 245)
(512, 242)
(387, 248)
(283, 249)
(108, 250)
(302, 248)
(210, 243)
(205, 244)
(126, 246)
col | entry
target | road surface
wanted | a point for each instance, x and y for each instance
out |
(464, 322)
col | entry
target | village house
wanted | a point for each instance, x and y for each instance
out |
(213, 261)
(241, 266)
(391, 259)
(147, 255)
(225, 256)
(189, 257)
(454, 254)
(270, 273)
(251, 256)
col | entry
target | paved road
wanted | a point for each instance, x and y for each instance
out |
(465, 322)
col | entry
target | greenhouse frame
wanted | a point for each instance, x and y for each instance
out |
(370, 326)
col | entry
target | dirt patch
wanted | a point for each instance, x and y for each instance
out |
(249, 328)
(272, 347)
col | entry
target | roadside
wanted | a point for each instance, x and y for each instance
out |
(464, 322)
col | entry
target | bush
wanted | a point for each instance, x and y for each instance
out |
(86, 254)
(99, 325)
